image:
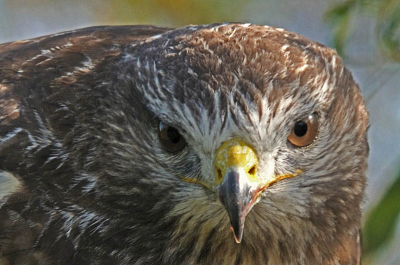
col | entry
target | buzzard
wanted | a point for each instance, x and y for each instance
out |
(212, 144)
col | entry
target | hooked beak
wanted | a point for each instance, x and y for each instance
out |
(236, 195)
(238, 184)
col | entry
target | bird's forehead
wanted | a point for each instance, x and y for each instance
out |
(250, 52)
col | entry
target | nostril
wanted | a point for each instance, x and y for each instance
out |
(253, 170)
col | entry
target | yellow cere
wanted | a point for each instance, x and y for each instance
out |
(236, 153)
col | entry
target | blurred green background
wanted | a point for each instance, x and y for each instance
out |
(365, 32)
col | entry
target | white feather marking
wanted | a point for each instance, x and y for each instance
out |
(147, 65)
(42, 62)
(233, 33)
(128, 57)
(22, 41)
(46, 53)
(11, 114)
(191, 72)
(8, 185)
(151, 39)
(334, 58)
(302, 68)
(62, 33)
(68, 44)
(10, 135)
(193, 28)
(3, 88)
(87, 65)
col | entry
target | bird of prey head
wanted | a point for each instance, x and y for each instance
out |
(214, 144)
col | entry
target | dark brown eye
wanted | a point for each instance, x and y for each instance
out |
(170, 138)
(304, 132)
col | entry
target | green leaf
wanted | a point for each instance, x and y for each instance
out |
(389, 28)
(339, 16)
(339, 11)
(387, 14)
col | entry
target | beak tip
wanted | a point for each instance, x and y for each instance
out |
(238, 235)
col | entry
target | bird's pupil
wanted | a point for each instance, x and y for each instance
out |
(300, 128)
(173, 135)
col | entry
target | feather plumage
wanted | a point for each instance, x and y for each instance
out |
(84, 179)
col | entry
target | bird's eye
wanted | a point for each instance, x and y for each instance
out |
(170, 138)
(304, 132)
